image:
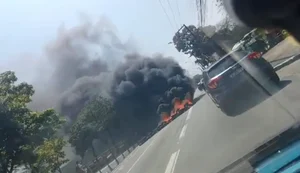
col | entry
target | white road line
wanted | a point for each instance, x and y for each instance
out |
(182, 133)
(172, 162)
(189, 114)
(140, 156)
(176, 160)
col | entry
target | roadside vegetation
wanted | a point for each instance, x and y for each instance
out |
(28, 138)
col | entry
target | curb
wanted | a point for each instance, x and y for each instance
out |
(287, 62)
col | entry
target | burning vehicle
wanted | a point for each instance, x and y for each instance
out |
(179, 107)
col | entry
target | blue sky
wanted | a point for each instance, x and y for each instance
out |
(27, 26)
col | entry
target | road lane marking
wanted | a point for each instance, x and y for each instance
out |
(182, 133)
(176, 160)
(172, 162)
(189, 114)
(140, 156)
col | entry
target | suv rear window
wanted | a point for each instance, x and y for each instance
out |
(225, 63)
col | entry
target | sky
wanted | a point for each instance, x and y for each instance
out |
(27, 26)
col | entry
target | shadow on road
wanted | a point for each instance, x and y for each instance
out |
(253, 97)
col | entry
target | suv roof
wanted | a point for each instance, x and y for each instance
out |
(231, 52)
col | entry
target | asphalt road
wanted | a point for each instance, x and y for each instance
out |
(205, 140)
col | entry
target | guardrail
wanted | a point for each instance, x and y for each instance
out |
(110, 158)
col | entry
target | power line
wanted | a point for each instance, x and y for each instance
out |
(204, 11)
(201, 12)
(178, 10)
(166, 13)
(201, 8)
(198, 11)
(173, 14)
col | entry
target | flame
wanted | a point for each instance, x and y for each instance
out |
(165, 117)
(185, 102)
(189, 98)
(178, 106)
(173, 113)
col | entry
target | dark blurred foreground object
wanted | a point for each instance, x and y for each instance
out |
(284, 14)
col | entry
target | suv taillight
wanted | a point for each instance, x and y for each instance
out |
(213, 83)
(254, 55)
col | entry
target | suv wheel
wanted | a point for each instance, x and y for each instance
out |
(271, 73)
(274, 77)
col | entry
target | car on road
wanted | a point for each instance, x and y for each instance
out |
(200, 85)
(252, 41)
(227, 79)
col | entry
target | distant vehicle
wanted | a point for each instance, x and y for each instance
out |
(274, 36)
(247, 40)
(226, 77)
(251, 42)
(239, 45)
(200, 85)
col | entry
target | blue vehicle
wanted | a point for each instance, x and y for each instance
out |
(286, 160)
(280, 154)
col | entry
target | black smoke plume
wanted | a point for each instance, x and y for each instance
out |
(90, 60)
(143, 87)
(77, 66)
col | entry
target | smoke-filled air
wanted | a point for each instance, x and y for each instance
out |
(90, 60)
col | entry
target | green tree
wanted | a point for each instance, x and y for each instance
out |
(12, 140)
(82, 136)
(42, 128)
(93, 119)
(21, 130)
(50, 156)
